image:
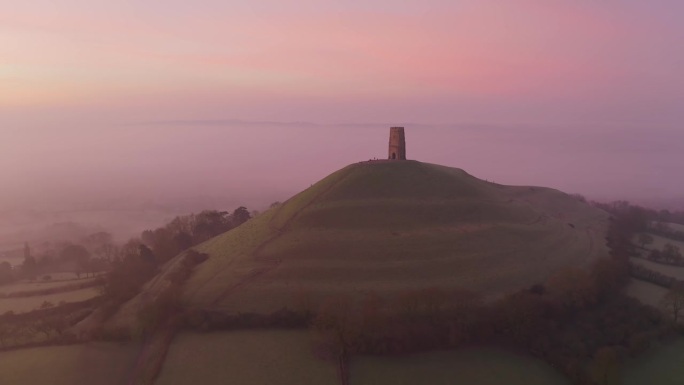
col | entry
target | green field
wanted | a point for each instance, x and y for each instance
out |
(395, 226)
(663, 366)
(26, 286)
(21, 305)
(672, 271)
(96, 363)
(660, 242)
(646, 292)
(675, 226)
(245, 358)
(480, 366)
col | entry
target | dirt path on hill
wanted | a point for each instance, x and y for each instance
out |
(271, 265)
(151, 357)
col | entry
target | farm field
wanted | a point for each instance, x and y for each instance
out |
(40, 285)
(245, 358)
(660, 242)
(482, 366)
(663, 366)
(646, 292)
(96, 363)
(26, 304)
(675, 226)
(672, 271)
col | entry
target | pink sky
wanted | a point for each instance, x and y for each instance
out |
(537, 71)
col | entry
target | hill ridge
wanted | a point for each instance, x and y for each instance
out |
(386, 227)
(278, 232)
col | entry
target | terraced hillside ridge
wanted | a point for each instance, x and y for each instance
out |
(387, 227)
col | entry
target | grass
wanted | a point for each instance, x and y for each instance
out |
(660, 242)
(245, 358)
(663, 366)
(671, 271)
(22, 305)
(392, 226)
(97, 363)
(480, 366)
(645, 292)
(26, 286)
(675, 226)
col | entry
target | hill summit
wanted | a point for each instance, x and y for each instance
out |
(389, 226)
(385, 227)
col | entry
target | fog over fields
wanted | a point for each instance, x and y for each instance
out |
(188, 165)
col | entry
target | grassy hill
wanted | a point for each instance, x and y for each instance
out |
(96, 363)
(483, 366)
(387, 227)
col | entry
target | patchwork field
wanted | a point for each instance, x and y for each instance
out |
(245, 358)
(661, 367)
(672, 271)
(469, 366)
(97, 363)
(646, 292)
(41, 285)
(675, 226)
(26, 304)
(660, 242)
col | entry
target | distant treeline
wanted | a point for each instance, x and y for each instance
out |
(662, 229)
(140, 258)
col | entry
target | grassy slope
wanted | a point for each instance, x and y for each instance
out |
(100, 363)
(20, 305)
(388, 226)
(660, 367)
(245, 358)
(468, 366)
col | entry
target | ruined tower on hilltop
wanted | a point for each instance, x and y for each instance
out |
(397, 144)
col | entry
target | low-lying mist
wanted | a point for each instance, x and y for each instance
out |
(131, 177)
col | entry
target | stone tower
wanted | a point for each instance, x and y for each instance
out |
(397, 144)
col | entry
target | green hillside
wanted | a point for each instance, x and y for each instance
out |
(386, 227)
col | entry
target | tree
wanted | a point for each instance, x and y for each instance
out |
(572, 287)
(97, 240)
(27, 251)
(645, 239)
(673, 301)
(78, 255)
(606, 366)
(6, 331)
(210, 223)
(240, 216)
(671, 253)
(6, 274)
(29, 268)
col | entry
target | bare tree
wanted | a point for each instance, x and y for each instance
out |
(673, 301)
